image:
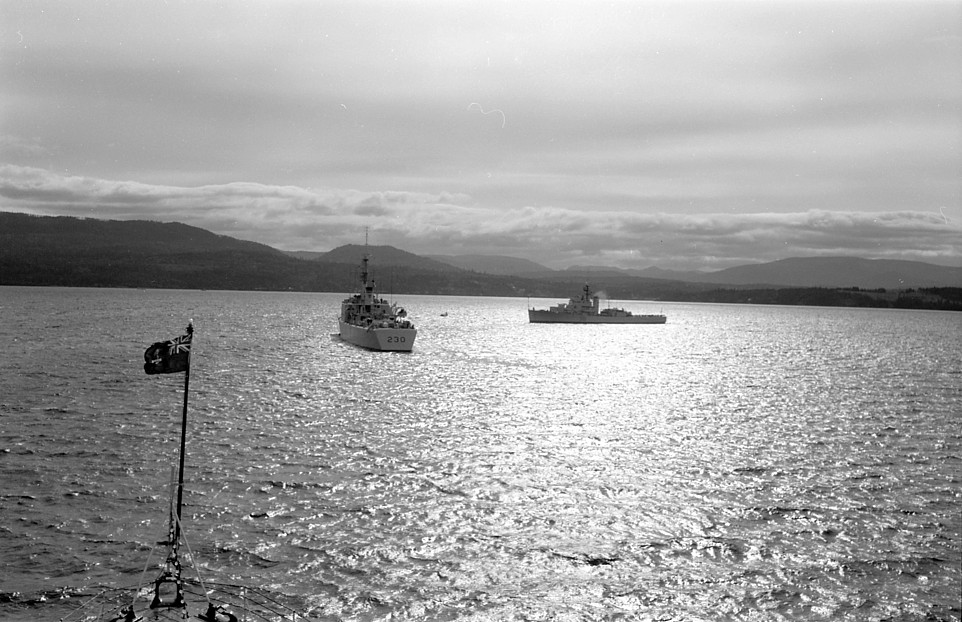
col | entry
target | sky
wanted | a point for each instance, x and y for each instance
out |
(685, 135)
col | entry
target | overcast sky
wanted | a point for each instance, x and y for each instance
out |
(677, 134)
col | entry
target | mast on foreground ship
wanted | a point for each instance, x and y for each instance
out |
(173, 595)
(586, 309)
(375, 323)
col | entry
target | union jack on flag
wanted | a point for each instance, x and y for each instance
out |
(180, 344)
(169, 357)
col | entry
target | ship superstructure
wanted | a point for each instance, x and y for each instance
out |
(586, 309)
(372, 322)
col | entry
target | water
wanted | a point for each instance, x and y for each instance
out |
(736, 463)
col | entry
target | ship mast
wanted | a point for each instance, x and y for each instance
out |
(169, 586)
(368, 287)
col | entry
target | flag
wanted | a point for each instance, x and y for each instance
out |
(169, 357)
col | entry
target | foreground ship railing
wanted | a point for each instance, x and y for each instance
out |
(235, 603)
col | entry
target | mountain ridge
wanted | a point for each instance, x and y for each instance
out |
(838, 271)
(83, 252)
(493, 264)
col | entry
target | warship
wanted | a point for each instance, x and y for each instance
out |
(374, 323)
(586, 309)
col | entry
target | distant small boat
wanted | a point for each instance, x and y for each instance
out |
(586, 309)
(374, 323)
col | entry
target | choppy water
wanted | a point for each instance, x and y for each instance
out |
(737, 463)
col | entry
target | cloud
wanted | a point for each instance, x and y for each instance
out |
(293, 218)
(677, 133)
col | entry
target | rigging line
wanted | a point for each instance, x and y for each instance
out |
(143, 575)
(260, 593)
(193, 560)
(170, 544)
(97, 599)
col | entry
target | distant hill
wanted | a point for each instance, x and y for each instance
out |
(23, 232)
(383, 256)
(305, 255)
(839, 272)
(689, 276)
(596, 272)
(86, 252)
(794, 272)
(492, 264)
(81, 252)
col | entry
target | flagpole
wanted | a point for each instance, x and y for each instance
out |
(183, 441)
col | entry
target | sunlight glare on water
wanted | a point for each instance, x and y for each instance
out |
(738, 462)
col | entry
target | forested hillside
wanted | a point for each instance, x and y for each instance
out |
(77, 252)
